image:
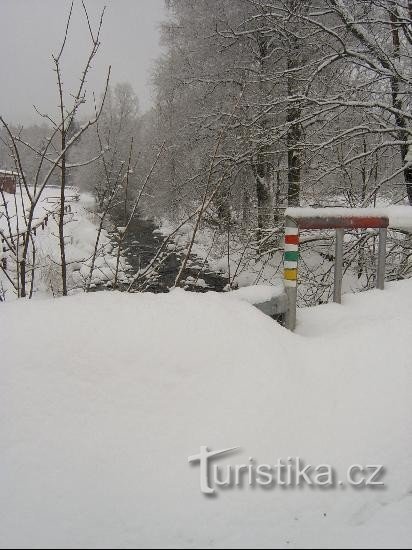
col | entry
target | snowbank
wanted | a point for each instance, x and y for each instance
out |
(258, 294)
(104, 397)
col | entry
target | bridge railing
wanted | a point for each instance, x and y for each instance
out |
(339, 219)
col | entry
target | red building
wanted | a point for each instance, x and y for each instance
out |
(8, 181)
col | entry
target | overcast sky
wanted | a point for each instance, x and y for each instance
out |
(32, 29)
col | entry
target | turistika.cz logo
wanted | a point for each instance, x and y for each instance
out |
(288, 473)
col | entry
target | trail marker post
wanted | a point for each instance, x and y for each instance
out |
(290, 264)
(328, 218)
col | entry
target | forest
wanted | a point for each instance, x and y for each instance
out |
(258, 105)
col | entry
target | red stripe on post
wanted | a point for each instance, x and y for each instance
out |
(291, 239)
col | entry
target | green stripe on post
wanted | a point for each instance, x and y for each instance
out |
(291, 256)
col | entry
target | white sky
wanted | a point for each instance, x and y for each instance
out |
(32, 29)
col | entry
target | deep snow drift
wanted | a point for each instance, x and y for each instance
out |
(104, 396)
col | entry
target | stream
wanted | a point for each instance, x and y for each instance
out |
(142, 241)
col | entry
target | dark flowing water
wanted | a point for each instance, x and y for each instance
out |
(139, 247)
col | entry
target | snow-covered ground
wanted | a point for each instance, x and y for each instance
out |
(81, 229)
(105, 396)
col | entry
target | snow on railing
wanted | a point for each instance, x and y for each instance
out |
(400, 217)
(72, 193)
(339, 219)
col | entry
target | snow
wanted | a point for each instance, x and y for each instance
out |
(258, 294)
(105, 395)
(400, 217)
(8, 173)
(338, 212)
(211, 247)
(81, 227)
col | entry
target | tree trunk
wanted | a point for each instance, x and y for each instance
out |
(397, 100)
(262, 167)
(294, 135)
(61, 218)
(263, 175)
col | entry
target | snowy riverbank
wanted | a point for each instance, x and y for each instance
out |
(81, 234)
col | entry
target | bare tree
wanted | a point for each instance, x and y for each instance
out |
(68, 137)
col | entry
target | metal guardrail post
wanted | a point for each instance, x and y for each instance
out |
(290, 274)
(337, 289)
(380, 272)
(345, 218)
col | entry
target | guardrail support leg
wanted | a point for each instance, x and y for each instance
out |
(380, 273)
(337, 289)
(290, 264)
